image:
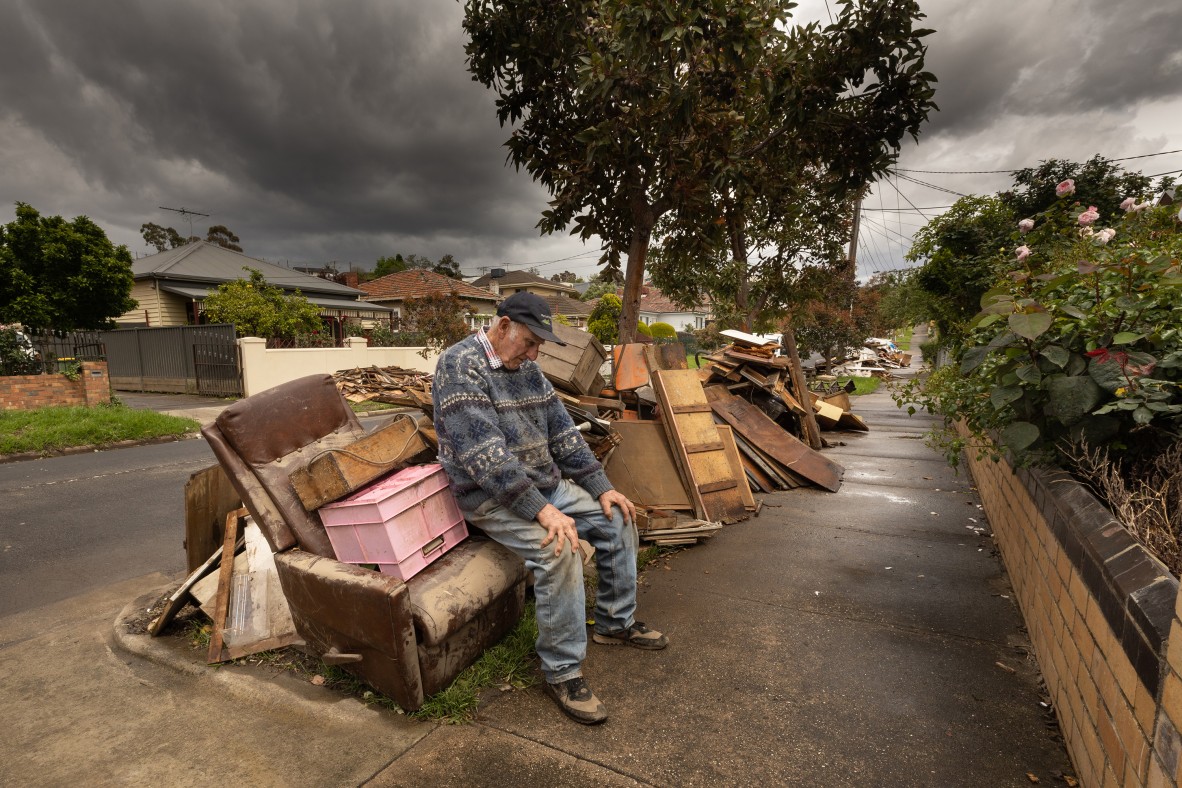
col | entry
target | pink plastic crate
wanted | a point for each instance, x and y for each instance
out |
(402, 523)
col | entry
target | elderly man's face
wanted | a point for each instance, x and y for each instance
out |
(517, 344)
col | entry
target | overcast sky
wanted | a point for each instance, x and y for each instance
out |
(342, 130)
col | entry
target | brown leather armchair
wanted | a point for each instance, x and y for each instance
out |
(406, 639)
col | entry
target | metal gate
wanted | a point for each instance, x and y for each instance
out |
(215, 361)
(162, 359)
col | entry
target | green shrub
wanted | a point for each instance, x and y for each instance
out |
(663, 331)
(1080, 339)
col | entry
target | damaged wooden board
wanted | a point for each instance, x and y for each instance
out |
(643, 469)
(335, 473)
(751, 423)
(697, 446)
(209, 497)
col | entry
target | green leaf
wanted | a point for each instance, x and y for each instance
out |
(1057, 355)
(1030, 325)
(1072, 398)
(1004, 395)
(1142, 415)
(1074, 311)
(972, 359)
(1019, 435)
(1107, 375)
(1028, 373)
(1126, 338)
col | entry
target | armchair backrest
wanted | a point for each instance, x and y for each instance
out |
(260, 440)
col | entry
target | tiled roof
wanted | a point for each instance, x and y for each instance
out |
(565, 305)
(521, 279)
(419, 282)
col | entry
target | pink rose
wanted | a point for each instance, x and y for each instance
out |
(1142, 206)
(1025, 226)
(1088, 216)
(1065, 188)
(1023, 252)
(1127, 204)
(1104, 236)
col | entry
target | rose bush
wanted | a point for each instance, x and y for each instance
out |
(1080, 339)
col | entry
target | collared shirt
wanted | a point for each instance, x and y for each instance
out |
(494, 360)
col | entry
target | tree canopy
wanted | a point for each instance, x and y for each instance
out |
(61, 274)
(167, 238)
(628, 112)
(260, 309)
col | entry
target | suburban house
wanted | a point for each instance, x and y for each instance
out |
(498, 280)
(392, 290)
(656, 307)
(575, 312)
(171, 286)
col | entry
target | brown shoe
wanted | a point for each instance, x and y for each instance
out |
(637, 636)
(577, 701)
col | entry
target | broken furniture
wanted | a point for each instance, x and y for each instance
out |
(574, 367)
(406, 639)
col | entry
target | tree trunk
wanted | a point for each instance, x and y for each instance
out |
(739, 258)
(633, 282)
(644, 218)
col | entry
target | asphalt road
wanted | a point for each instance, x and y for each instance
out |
(73, 524)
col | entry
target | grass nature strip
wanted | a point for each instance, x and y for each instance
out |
(51, 429)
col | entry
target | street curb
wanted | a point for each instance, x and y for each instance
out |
(243, 685)
(42, 455)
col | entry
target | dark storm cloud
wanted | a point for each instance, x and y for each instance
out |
(353, 117)
(1046, 59)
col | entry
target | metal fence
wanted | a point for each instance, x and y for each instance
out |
(176, 359)
(42, 350)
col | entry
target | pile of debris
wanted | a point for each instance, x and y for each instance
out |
(876, 358)
(691, 447)
(391, 385)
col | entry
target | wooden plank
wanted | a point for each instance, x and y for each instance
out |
(336, 472)
(629, 367)
(727, 437)
(827, 415)
(750, 422)
(771, 469)
(696, 407)
(812, 432)
(643, 468)
(675, 389)
(225, 577)
(711, 446)
(209, 497)
(722, 484)
(671, 355)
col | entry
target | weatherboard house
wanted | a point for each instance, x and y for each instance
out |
(172, 285)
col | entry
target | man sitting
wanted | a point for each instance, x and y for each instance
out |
(523, 474)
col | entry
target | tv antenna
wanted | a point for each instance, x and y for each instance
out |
(187, 214)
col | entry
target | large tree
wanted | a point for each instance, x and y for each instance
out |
(61, 274)
(627, 111)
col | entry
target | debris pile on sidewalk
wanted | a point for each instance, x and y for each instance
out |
(876, 358)
(690, 447)
(391, 385)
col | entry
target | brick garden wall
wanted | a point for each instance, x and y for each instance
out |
(1099, 610)
(26, 392)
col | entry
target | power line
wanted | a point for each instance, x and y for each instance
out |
(1014, 169)
(910, 210)
(928, 185)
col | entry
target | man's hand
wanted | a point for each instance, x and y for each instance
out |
(616, 497)
(560, 529)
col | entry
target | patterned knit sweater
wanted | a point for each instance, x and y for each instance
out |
(504, 434)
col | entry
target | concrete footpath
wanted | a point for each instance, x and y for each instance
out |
(867, 637)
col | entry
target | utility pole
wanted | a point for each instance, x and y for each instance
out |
(852, 273)
(187, 214)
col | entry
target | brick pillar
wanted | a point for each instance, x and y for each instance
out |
(96, 383)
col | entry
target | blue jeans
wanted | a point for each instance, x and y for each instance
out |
(558, 579)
